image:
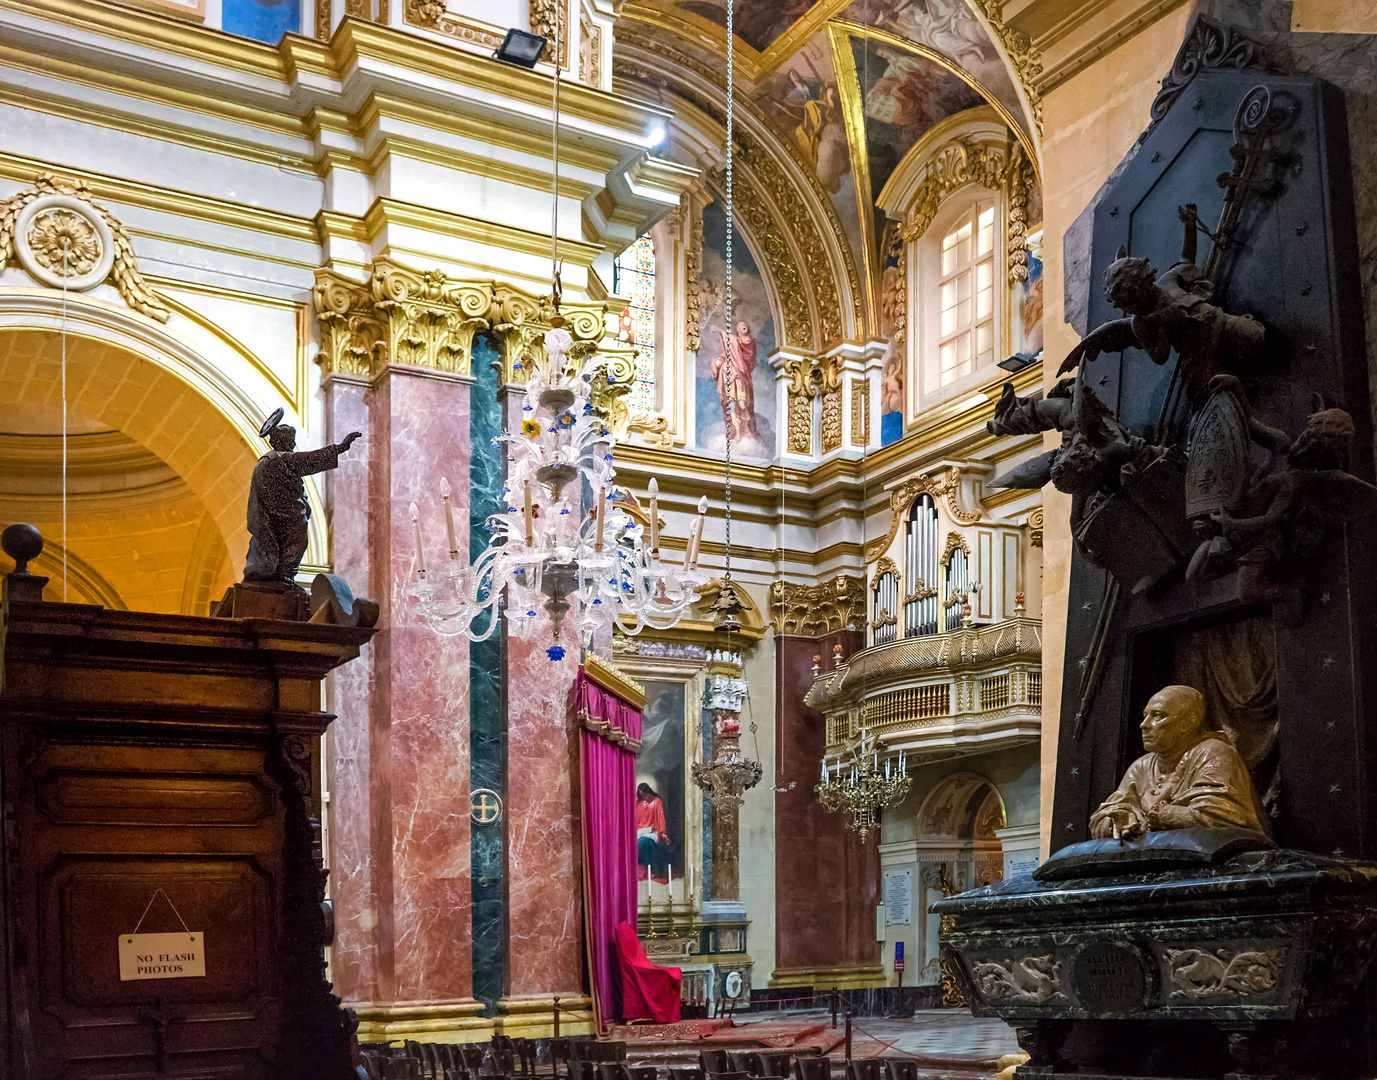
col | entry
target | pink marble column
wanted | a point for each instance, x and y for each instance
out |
(544, 856)
(400, 845)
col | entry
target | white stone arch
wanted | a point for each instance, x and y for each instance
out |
(959, 790)
(106, 339)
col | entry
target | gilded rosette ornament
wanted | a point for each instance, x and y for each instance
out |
(64, 240)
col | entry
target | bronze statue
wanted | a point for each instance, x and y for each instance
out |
(1280, 528)
(1189, 777)
(278, 511)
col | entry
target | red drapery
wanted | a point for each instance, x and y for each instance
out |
(607, 752)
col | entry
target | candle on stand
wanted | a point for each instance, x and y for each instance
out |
(598, 518)
(420, 551)
(690, 883)
(669, 885)
(654, 516)
(530, 529)
(449, 518)
(886, 768)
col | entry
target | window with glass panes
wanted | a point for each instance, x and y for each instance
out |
(966, 338)
(634, 279)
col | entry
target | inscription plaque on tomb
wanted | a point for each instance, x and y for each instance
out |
(1109, 977)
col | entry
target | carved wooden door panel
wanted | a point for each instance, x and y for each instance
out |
(162, 837)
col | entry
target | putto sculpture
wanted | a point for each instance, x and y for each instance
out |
(278, 510)
(1189, 778)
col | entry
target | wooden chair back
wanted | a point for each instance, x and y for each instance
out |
(897, 1068)
(808, 1067)
(863, 1069)
(714, 1061)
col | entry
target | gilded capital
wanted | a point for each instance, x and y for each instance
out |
(814, 610)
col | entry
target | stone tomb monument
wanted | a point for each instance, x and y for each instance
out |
(1210, 906)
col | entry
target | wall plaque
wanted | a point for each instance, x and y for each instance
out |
(898, 897)
(162, 956)
(1109, 977)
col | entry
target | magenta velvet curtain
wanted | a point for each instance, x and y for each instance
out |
(610, 738)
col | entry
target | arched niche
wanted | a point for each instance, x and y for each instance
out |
(136, 376)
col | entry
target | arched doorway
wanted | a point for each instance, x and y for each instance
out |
(157, 470)
(958, 849)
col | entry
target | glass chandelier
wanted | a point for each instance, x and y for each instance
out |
(594, 569)
(598, 568)
(857, 784)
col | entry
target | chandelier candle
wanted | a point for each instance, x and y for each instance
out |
(420, 550)
(592, 570)
(449, 518)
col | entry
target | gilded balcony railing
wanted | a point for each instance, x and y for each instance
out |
(977, 685)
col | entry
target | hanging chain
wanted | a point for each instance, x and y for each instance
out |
(554, 189)
(731, 328)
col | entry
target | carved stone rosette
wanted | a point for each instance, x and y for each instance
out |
(65, 240)
(815, 610)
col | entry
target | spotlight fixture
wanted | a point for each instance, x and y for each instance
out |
(1020, 360)
(521, 48)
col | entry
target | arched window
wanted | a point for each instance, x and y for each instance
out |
(884, 603)
(633, 278)
(957, 586)
(920, 568)
(966, 330)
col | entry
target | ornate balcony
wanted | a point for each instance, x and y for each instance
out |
(937, 696)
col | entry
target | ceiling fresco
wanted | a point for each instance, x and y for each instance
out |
(850, 86)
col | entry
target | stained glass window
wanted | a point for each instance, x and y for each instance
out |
(634, 279)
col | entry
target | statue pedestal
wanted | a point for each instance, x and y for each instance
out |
(1248, 969)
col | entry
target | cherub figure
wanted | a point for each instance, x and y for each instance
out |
(1287, 514)
(1096, 453)
(1170, 311)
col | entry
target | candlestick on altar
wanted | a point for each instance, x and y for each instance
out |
(420, 551)
(449, 518)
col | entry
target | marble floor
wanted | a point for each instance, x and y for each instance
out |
(947, 1042)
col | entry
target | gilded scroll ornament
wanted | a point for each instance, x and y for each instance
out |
(1200, 974)
(323, 9)
(64, 240)
(831, 404)
(946, 486)
(798, 221)
(1020, 177)
(693, 273)
(1035, 520)
(425, 12)
(1026, 59)
(804, 382)
(860, 412)
(815, 610)
(547, 17)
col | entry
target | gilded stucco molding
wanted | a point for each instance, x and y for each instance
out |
(64, 239)
(425, 319)
(815, 610)
(1035, 527)
(830, 371)
(693, 275)
(860, 412)
(959, 162)
(1025, 58)
(945, 485)
(433, 15)
(805, 380)
(799, 223)
(963, 161)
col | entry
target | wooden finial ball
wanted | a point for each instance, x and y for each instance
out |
(21, 543)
